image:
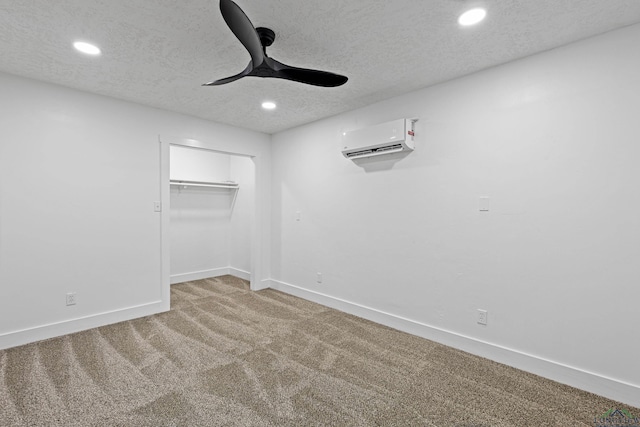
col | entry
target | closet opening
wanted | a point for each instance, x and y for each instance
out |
(212, 214)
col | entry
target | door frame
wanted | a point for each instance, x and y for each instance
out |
(258, 279)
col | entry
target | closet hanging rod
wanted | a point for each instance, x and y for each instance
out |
(227, 184)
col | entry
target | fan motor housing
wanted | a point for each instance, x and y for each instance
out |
(267, 36)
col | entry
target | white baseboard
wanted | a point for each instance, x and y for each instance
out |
(207, 274)
(240, 273)
(26, 336)
(262, 284)
(575, 377)
(199, 275)
(52, 330)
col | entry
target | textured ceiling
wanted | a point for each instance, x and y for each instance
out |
(159, 52)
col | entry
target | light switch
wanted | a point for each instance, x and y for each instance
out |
(298, 216)
(157, 206)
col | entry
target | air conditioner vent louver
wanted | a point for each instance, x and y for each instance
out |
(375, 151)
(386, 138)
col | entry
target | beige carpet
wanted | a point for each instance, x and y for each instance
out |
(226, 356)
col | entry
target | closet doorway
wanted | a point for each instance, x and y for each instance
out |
(209, 216)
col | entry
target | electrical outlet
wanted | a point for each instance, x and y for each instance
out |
(484, 204)
(71, 298)
(319, 277)
(482, 317)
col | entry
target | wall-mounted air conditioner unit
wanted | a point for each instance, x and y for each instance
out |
(385, 138)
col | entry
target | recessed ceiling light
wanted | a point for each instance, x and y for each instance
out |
(268, 105)
(472, 16)
(87, 48)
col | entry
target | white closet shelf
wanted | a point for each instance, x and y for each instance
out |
(223, 184)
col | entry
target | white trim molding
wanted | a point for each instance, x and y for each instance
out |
(198, 275)
(26, 336)
(264, 284)
(589, 381)
(208, 274)
(240, 273)
(260, 255)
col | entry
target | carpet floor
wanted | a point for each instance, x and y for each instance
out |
(226, 356)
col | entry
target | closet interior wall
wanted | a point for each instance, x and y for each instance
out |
(210, 227)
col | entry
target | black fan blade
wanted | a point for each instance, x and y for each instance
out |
(311, 77)
(261, 65)
(226, 80)
(243, 29)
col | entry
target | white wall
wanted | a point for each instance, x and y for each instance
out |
(78, 177)
(210, 227)
(200, 216)
(242, 171)
(553, 141)
(193, 164)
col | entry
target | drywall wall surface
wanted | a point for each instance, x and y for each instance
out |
(79, 175)
(242, 171)
(200, 216)
(211, 228)
(552, 142)
(193, 164)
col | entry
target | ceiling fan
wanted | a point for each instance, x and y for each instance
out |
(256, 41)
